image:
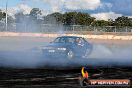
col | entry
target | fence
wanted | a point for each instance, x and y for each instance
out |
(46, 28)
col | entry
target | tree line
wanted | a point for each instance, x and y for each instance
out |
(67, 18)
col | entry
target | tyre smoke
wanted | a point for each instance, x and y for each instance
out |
(27, 53)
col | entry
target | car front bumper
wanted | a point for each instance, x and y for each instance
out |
(54, 53)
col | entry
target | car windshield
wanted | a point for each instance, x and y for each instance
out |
(64, 40)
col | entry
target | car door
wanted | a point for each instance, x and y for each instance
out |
(87, 47)
(80, 46)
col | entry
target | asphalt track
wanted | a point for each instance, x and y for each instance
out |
(22, 64)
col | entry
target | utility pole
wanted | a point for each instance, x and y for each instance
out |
(6, 15)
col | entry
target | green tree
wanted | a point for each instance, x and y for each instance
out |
(111, 22)
(54, 18)
(101, 23)
(2, 15)
(77, 18)
(84, 19)
(69, 18)
(57, 16)
(122, 21)
(130, 22)
(35, 12)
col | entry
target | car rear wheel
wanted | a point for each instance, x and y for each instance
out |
(70, 54)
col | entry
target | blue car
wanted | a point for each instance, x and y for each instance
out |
(68, 46)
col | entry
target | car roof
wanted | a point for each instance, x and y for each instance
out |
(69, 37)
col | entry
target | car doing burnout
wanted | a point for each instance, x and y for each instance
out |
(68, 46)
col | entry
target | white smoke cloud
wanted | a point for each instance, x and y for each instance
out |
(45, 12)
(106, 15)
(106, 5)
(55, 5)
(130, 16)
(82, 4)
(25, 9)
(59, 5)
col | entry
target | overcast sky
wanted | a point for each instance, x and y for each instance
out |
(101, 9)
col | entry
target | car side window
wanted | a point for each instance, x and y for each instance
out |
(57, 40)
(70, 40)
(62, 40)
(80, 41)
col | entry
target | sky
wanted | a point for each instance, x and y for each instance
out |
(100, 9)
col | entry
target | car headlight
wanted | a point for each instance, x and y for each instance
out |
(62, 49)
